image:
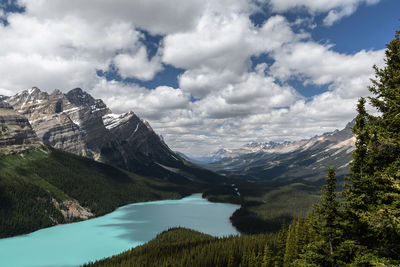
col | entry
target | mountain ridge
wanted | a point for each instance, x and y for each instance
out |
(78, 123)
(308, 157)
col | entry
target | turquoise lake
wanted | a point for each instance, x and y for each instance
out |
(129, 226)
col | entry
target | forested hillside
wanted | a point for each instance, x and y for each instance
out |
(45, 187)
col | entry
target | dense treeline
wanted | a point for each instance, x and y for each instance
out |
(265, 206)
(101, 187)
(24, 208)
(30, 183)
(359, 227)
(184, 247)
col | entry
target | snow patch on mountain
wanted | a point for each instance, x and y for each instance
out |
(115, 120)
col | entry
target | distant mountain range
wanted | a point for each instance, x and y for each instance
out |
(300, 160)
(212, 157)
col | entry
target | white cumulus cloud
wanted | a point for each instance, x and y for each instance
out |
(138, 65)
(336, 9)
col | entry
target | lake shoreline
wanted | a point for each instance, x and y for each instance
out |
(95, 217)
(127, 227)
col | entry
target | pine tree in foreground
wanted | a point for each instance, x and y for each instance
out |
(372, 199)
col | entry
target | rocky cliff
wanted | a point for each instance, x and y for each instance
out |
(139, 138)
(51, 116)
(16, 134)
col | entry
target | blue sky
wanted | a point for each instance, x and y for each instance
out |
(205, 74)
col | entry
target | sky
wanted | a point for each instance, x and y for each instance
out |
(206, 74)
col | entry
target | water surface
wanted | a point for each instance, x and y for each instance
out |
(129, 226)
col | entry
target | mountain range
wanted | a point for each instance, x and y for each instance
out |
(76, 122)
(289, 161)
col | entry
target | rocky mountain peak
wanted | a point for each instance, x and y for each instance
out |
(260, 145)
(79, 97)
(56, 94)
(147, 125)
(349, 126)
(27, 98)
(78, 123)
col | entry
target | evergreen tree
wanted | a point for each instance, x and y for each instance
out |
(372, 197)
(329, 212)
(290, 250)
(358, 165)
(267, 257)
(322, 228)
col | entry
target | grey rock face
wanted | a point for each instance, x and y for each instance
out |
(16, 134)
(139, 139)
(78, 123)
(80, 98)
(51, 116)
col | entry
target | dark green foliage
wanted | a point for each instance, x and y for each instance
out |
(183, 247)
(222, 193)
(366, 232)
(250, 223)
(30, 183)
(266, 205)
(98, 186)
(372, 199)
(328, 211)
(24, 208)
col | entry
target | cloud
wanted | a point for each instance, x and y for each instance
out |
(337, 14)
(151, 104)
(255, 93)
(320, 65)
(65, 52)
(336, 9)
(23, 71)
(156, 16)
(218, 51)
(138, 65)
(225, 42)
